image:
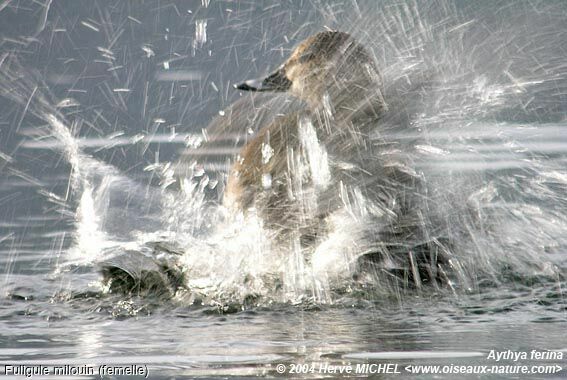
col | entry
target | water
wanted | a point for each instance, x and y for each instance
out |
(103, 107)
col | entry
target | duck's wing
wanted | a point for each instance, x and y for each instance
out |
(228, 132)
(153, 270)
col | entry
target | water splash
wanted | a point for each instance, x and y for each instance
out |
(485, 116)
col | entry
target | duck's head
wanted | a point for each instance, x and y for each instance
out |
(328, 64)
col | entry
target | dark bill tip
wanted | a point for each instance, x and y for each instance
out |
(274, 82)
(250, 85)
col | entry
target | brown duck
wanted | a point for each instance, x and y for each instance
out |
(341, 86)
(337, 137)
(325, 156)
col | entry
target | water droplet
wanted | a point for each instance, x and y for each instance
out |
(267, 153)
(267, 181)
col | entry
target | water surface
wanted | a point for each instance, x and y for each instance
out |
(101, 100)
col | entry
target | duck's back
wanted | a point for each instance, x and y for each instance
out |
(224, 137)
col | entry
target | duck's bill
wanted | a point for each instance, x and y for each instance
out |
(276, 82)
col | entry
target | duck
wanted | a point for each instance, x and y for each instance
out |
(321, 156)
(340, 85)
(330, 157)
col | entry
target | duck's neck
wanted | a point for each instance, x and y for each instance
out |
(355, 104)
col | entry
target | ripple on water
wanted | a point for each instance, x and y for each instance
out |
(412, 355)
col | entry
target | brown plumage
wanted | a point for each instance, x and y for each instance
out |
(341, 85)
(342, 88)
